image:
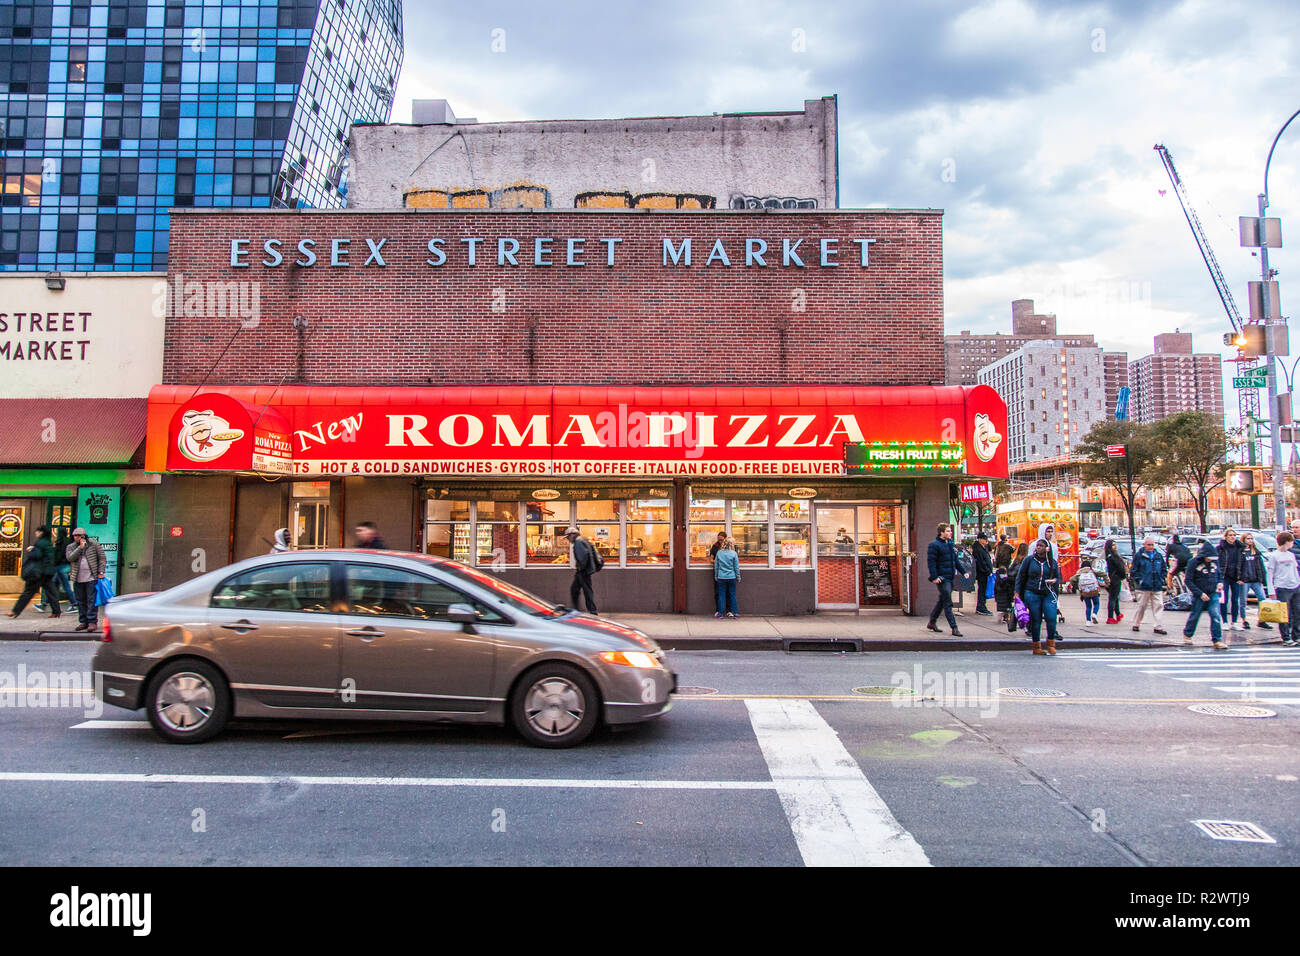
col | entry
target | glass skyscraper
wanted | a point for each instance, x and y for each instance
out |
(112, 111)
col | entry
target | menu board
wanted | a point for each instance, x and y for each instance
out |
(877, 580)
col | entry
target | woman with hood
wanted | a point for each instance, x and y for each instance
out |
(1036, 585)
(281, 542)
(1205, 582)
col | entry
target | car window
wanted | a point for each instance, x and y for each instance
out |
(393, 592)
(277, 587)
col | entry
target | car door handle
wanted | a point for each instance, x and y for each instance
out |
(367, 634)
(240, 626)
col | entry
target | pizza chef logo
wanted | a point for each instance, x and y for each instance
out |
(205, 436)
(987, 438)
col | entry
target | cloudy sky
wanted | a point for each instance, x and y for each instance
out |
(1030, 124)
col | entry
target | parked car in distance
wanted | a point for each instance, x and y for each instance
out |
(373, 635)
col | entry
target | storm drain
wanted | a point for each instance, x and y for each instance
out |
(696, 691)
(1234, 830)
(882, 691)
(1232, 710)
(833, 644)
(1030, 693)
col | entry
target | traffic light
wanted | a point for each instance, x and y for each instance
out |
(1234, 339)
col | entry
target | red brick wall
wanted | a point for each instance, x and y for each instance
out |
(837, 580)
(638, 322)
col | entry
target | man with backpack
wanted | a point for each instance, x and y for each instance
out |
(586, 562)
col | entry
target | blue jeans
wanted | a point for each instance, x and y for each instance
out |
(1212, 606)
(1042, 607)
(725, 591)
(1091, 605)
(1255, 588)
(1234, 597)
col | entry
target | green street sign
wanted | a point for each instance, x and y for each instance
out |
(1251, 381)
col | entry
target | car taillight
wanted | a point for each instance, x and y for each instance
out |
(108, 632)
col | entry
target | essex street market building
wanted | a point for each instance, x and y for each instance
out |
(475, 382)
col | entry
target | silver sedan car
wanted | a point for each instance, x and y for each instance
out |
(377, 635)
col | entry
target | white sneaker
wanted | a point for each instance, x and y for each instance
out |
(1234, 626)
(1087, 623)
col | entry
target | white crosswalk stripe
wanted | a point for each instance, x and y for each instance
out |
(1270, 676)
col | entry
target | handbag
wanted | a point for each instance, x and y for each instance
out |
(103, 591)
(1274, 612)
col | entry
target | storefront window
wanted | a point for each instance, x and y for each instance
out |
(792, 544)
(835, 531)
(597, 511)
(792, 510)
(708, 509)
(699, 540)
(497, 533)
(447, 533)
(649, 534)
(547, 544)
(749, 511)
(751, 542)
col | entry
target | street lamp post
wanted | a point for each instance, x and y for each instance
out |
(1279, 487)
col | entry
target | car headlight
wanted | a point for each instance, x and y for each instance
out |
(629, 658)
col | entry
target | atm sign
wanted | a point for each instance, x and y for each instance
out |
(976, 491)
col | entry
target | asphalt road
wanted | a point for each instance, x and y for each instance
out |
(783, 765)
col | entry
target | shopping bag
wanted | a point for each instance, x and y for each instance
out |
(1274, 612)
(989, 589)
(1022, 612)
(1126, 593)
(103, 592)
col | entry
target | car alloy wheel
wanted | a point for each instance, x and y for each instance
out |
(555, 706)
(188, 702)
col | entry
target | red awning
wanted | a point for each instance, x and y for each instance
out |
(71, 431)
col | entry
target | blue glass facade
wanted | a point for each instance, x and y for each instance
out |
(112, 111)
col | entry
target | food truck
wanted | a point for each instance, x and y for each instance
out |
(1020, 521)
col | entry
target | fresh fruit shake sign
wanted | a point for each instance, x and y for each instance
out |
(580, 431)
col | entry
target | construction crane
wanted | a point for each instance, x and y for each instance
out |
(1247, 398)
(1202, 241)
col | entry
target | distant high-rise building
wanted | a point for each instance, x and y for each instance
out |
(1054, 393)
(112, 112)
(966, 353)
(1174, 379)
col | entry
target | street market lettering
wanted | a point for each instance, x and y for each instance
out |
(820, 252)
(62, 348)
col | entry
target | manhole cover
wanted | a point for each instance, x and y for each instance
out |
(1030, 692)
(696, 691)
(1234, 830)
(1232, 710)
(882, 691)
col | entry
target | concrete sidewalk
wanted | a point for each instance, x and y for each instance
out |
(869, 630)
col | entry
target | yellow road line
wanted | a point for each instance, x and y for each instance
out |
(974, 700)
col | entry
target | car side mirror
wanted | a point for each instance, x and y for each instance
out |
(462, 614)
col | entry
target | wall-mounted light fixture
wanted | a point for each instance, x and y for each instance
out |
(55, 281)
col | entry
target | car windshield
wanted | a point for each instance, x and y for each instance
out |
(516, 597)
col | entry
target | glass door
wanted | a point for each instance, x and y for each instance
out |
(837, 559)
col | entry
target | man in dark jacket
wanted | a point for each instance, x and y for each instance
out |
(1205, 581)
(586, 562)
(37, 572)
(983, 571)
(1148, 574)
(941, 559)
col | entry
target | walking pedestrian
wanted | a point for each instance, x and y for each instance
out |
(1116, 573)
(281, 544)
(1284, 581)
(367, 533)
(1089, 588)
(1254, 578)
(586, 562)
(983, 571)
(88, 564)
(61, 585)
(1205, 582)
(1036, 586)
(941, 559)
(1234, 592)
(37, 572)
(1148, 581)
(726, 577)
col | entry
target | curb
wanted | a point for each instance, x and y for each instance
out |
(863, 645)
(50, 636)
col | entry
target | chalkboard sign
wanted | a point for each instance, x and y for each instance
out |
(877, 580)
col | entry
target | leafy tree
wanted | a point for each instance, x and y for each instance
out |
(1099, 468)
(1191, 452)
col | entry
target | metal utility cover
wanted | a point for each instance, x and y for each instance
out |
(1232, 710)
(1235, 830)
(1030, 692)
